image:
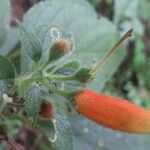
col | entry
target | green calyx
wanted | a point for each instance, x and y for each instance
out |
(83, 75)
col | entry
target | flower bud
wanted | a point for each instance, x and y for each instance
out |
(83, 75)
(46, 110)
(60, 48)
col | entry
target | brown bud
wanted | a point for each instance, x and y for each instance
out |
(63, 45)
(46, 110)
(60, 48)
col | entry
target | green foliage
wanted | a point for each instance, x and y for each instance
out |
(7, 74)
(139, 55)
(91, 43)
(144, 75)
(144, 7)
(33, 101)
(63, 133)
(90, 136)
(11, 42)
(6, 69)
(5, 86)
(132, 94)
(69, 68)
(8, 35)
(40, 78)
(30, 43)
(126, 15)
(4, 19)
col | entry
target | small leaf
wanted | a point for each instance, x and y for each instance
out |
(6, 69)
(64, 133)
(11, 41)
(73, 64)
(67, 71)
(69, 68)
(30, 43)
(33, 101)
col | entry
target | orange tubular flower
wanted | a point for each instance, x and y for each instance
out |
(112, 112)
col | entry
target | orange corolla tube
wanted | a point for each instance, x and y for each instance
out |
(112, 112)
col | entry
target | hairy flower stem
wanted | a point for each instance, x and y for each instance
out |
(110, 52)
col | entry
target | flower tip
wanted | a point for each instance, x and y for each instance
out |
(63, 45)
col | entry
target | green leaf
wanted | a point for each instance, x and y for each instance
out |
(11, 41)
(41, 31)
(91, 136)
(64, 133)
(63, 130)
(91, 42)
(30, 43)
(132, 93)
(33, 101)
(126, 15)
(73, 64)
(144, 8)
(4, 19)
(69, 68)
(47, 126)
(5, 86)
(6, 69)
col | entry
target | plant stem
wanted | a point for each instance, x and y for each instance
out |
(110, 52)
(14, 145)
(63, 78)
(53, 89)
